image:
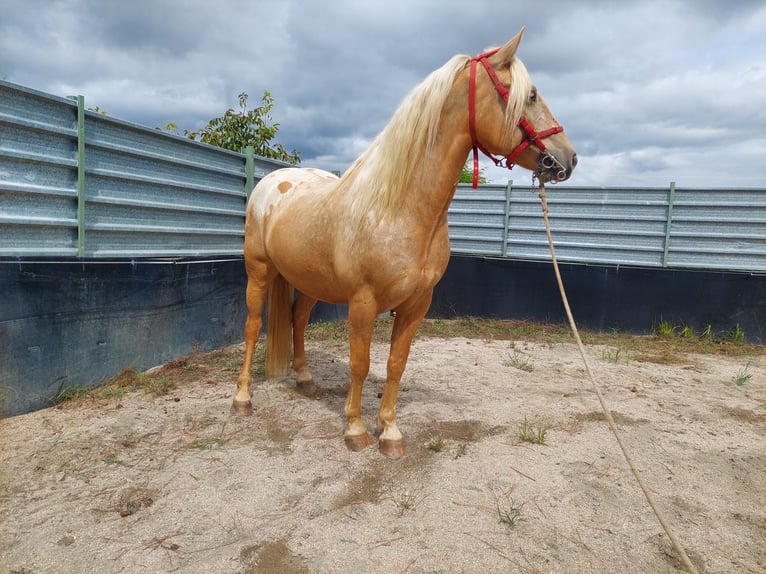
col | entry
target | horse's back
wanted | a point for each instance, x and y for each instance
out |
(285, 183)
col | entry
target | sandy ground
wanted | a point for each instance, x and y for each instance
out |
(171, 483)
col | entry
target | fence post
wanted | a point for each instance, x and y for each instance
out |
(668, 221)
(509, 187)
(249, 169)
(80, 176)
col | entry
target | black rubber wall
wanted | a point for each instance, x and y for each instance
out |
(67, 324)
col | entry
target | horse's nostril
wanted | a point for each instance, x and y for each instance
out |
(574, 159)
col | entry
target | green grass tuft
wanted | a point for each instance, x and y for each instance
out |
(534, 436)
(436, 444)
(744, 375)
(519, 361)
(616, 355)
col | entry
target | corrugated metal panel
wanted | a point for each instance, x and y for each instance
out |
(148, 193)
(152, 194)
(38, 173)
(710, 229)
(719, 229)
(625, 226)
(476, 220)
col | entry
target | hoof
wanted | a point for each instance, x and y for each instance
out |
(393, 449)
(359, 442)
(241, 408)
(307, 388)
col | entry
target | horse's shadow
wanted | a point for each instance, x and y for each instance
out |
(330, 372)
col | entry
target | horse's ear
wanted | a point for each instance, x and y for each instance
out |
(506, 54)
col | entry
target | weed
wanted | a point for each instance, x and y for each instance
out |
(258, 368)
(744, 375)
(67, 468)
(157, 386)
(518, 361)
(461, 451)
(529, 434)
(349, 541)
(508, 511)
(324, 331)
(687, 332)
(129, 440)
(615, 355)
(194, 426)
(666, 344)
(436, 444)
(73, 469)
(438, 327)
(110, 392)
(736, 335)
(111, 458)
(407, 501)
(70, 394)
(666, 330)
(207, 443)
(116, 388)
(207, 421)
(510, 516)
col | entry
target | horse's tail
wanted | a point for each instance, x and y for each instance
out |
(279, 332)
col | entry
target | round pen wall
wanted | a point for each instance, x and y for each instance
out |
(121, 246)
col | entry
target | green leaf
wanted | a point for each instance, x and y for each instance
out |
(236, 130)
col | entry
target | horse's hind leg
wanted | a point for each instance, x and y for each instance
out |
(301, 313)
(257, 288)
(408, 317)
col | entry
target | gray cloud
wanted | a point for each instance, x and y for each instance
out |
(648, 91)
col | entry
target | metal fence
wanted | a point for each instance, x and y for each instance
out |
(653, 227)
(77, 183)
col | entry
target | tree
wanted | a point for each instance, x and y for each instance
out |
(236, 130)
(466, 176)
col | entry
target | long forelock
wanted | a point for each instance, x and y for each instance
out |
(521, 86)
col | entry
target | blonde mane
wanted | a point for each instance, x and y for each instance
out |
(381, 177)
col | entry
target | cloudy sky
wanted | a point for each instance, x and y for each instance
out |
(649, 91)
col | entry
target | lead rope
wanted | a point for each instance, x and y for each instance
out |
(650, 499)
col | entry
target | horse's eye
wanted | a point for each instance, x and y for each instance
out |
(533, 96)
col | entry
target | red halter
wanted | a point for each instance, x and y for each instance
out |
(530, 135)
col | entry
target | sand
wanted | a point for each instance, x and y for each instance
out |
(153, 482)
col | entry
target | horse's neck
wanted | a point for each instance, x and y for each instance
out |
(435, 183)
(418, 195)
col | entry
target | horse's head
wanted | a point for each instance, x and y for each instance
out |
(508, 117)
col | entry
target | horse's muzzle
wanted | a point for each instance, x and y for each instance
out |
(552, 169)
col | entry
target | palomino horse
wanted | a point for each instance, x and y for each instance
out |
(376, 238)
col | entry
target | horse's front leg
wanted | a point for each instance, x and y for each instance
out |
(301, 313)
(408, 317)
(361, 320)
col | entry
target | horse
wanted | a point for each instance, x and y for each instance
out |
(376, 238)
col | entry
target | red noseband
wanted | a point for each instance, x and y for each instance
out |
(530, 135)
